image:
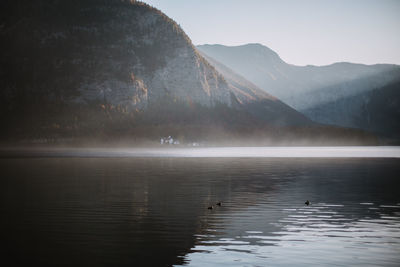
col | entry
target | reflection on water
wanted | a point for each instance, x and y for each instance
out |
(153, 211)
(320, 235)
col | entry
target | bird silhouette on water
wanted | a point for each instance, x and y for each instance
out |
(212, 207)
(307, 203)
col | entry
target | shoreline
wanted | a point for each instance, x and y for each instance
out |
(205, 152)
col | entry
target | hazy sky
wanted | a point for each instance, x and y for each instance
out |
(302, 32)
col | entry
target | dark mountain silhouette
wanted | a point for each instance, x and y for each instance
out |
(377, 111)
(335, 94)
(108, 65)
(122, 70)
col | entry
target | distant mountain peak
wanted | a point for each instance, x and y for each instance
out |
(337, 94)
(246, 54)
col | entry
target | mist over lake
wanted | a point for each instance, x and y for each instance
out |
(199, 133)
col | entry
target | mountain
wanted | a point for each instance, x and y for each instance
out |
(124, 52)
(257, 102)
(335, 94)
(114, 65)
(377, 111)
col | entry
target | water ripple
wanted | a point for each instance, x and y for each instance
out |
(376, 239)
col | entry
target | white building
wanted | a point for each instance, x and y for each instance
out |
(169, 141)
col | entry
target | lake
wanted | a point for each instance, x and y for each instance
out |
(124, 208)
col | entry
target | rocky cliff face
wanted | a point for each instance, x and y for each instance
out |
(105, 66)
(257, 102)
(120, 52)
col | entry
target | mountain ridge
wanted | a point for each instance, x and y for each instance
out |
(307, 87)
(82, 67)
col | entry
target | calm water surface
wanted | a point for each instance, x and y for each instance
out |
(153, 211)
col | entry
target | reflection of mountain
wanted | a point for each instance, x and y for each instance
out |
(335, 94)
(124, 211)
(110, 211)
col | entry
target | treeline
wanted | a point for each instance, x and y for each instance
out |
(216, 125)
(57, 118)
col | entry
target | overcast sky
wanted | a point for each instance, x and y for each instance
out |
(302, 32)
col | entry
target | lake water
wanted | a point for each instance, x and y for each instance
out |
(66, 209)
